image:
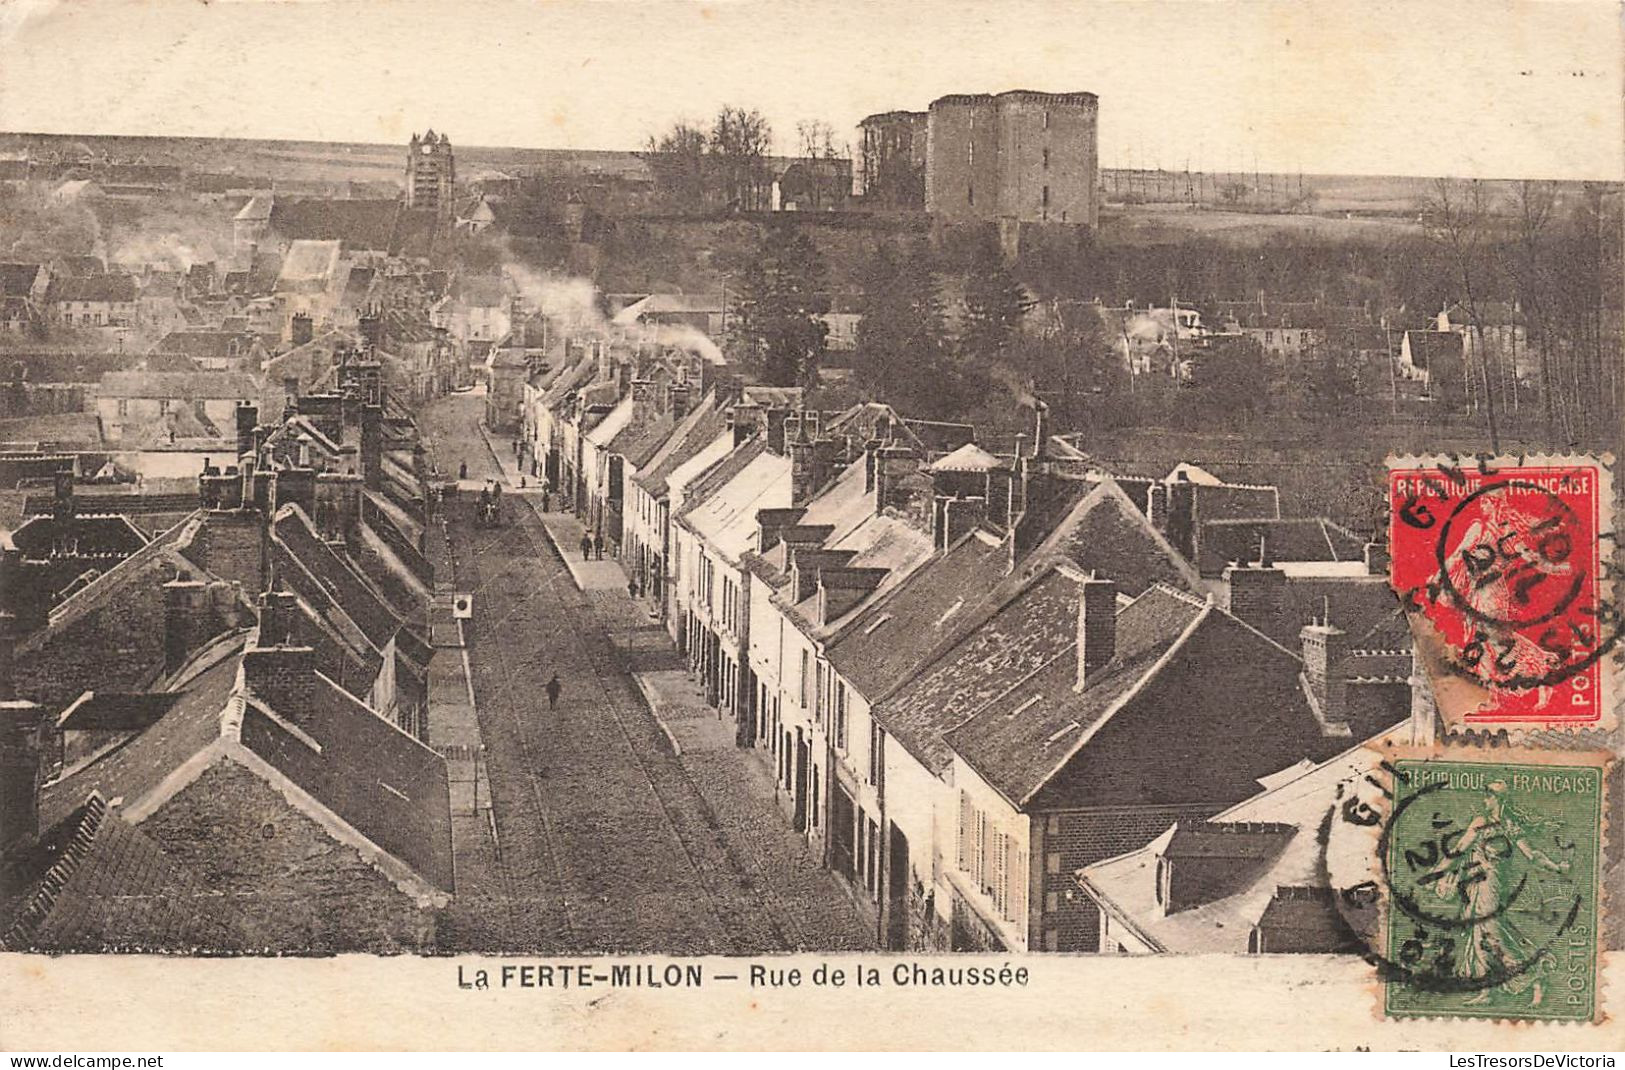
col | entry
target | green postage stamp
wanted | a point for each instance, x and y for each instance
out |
(1493, 879)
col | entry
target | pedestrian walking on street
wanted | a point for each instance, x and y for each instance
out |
(547, 501)
(632, 587)
(598, 544)
(586, 546)
(553, 688)
(462, 470)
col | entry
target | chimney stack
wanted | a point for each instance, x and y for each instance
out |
(248, 418)
(1040, 429)
(372, 446)
(678, 400)
(185, 620)
(21, 748)
(279, 672)
(1325, 666)
(776, 418)
(62, 508)
(804, 481)
(1097, 628)
(296, 486)
(1255, 594)
(303, 330)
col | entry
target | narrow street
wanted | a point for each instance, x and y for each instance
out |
(607, 841)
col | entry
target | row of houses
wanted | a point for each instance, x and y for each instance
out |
(970, 674)
(216, 735)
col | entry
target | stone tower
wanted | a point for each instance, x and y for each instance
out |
(430, 174)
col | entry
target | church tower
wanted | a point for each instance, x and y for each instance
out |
(430, 174)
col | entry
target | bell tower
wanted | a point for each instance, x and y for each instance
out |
(430, 175)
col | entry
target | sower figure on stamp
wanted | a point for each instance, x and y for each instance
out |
(553, 688)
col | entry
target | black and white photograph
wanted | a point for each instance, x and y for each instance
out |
(1030, 504)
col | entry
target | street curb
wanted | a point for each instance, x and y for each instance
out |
(554, 541)
(654, 710)
(495, 457)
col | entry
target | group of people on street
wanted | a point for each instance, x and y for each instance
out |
(592, 546)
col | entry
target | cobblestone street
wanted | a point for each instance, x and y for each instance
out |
(606, 840)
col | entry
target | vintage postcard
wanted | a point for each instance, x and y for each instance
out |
(737, 524)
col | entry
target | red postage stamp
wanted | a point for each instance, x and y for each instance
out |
(1510, 563)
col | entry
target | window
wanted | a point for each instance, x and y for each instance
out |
(1046, 120)
(1046, 159)
(970, 194)
(873, 882)
(1045, 197)
(804, 668)
(814, 809)
(124, 406)
(840, 715)
(818, 695)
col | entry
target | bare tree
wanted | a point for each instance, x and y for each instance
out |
(1458, 220)
(740, 141)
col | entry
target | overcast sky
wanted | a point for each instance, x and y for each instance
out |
(1525, 89)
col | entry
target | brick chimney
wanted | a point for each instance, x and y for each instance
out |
(1097, 628)
(303, 329)
(62, 506)
(278, 671)
(295, 485)
(770, 525)
(338, 506)
(1255, 593)
(1156, 506)
(1040, 429)
(1325, 667)
(677, 400)
(186, 620)
(372, 446)
(248, 418)
(775, 418)
(804, 481)
(960, 516)
(372, 328)
(21, 748)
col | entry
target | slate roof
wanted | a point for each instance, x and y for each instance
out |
(1428, 346)
(214, 344)
(968, 458)
(1173, 684)
(1022, 634)
(101, 885)
(133, 770)
(1106, 533)
(1294, 539)
(888, 641)
(106, 289)
(179, 385)
(358, 224)
(1127, 884)
(321, 575)
(115, 711)
(698, 430)
(17, 280)
(722, 509)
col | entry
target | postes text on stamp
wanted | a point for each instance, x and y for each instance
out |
(1508, 565)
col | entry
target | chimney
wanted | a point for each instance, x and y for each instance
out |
(643, 399)
(1325, 667)
(1040, 429)
(248, 418)
(1255, 593)
(804, 480)
(372, 328)
(303, 330)
(1156, 506)
(1181, 529)
(278, 617)
(21, 748)
(870, 449)
(282, 675)
(1097, 628)
(1377, 558)
(338, 505)
(770, 525)
(302, 451)
(62, 507)
(776, 418)
(296, 486)
(372, 446)
(185, 620)
(290, 393)
(678, 399)
(960, 516)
